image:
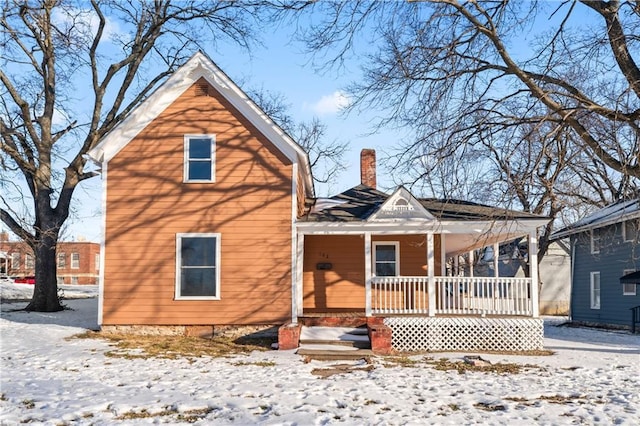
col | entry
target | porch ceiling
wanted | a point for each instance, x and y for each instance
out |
(462, 243)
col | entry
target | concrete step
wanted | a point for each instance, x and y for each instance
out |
(329, 353)
(338, 336)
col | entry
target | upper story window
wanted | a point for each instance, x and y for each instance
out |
(386, 259)
(62, 260)
(15, 260)
(28, 261)
(75, 260)
(97, 261)
(199, 158)
(595, 241)
(630, 230)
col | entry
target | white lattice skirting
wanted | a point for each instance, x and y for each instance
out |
(466, 334)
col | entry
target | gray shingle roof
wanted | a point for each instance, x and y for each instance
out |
(360, 202)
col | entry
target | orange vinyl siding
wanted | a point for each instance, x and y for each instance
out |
(249, 204)
(342, 288)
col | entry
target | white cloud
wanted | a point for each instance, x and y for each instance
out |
(331, 104)
(86, 22)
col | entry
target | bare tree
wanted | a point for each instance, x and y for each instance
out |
(525, 104)
(325, 156)
(71, 71)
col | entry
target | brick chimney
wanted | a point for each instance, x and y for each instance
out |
(368, 168)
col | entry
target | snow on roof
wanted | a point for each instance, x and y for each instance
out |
(613, 213)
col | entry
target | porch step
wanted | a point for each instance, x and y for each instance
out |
(335, 343)
(331, 353)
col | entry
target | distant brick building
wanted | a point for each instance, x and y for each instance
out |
(78, 262)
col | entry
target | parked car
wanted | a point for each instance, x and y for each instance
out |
(25, 280)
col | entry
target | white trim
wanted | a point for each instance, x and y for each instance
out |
(199, 66)
(185, 173)
(592, 301)
(101, 273)
(415, 210)
(296, 259)
(367, 274)
(595, 242)
(431, 285)
(15, 260)
(179, 237)
(633, 286)
(72, 261)
(374, 260)
(624, 230)
(28, 261)
(533, 273)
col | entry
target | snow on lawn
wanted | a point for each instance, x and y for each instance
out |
(593, 378)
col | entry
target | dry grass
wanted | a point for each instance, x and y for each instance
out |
(131, 346)
(461, 367)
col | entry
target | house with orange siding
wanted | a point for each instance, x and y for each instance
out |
(210, 219)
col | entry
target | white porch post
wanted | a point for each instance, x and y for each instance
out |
(367, 273)
(443, 257)
(496, 253)
(471, 260)
(431, 272)
(296, 296)
(533, 272)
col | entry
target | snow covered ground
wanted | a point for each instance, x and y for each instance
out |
(594, 378)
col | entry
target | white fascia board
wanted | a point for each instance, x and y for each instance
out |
(421, 227)
(401, 192)
(596, 225)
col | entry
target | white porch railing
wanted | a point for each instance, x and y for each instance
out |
(453, 295)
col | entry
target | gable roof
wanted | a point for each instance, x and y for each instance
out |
(613, 213)
(361, 202)
(200, 66)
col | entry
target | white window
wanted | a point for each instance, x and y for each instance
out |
(386, 259)
(74, 280)
(28, 261)
(595, 290)
(595, 241)
(628, 289)
(199, 158)
(15, 260)
(630, 230)
(75, 260)
(198, 266)
(60, 280)
(62, 260)
(97, 262)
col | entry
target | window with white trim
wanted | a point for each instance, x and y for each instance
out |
(198, 266)
(630, 230)
(595, 241)
(75, 260)
(97, 261)
(386, 258)
(595, 290)
(15, 260)
(628, 289)
(28, 261)
(62, 260)
(199, 158)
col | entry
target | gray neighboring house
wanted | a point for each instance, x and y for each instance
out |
(605, 247)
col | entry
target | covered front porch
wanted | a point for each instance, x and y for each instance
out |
(408, 272)
(419, 268)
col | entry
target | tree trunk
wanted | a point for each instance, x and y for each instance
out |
(45, 294)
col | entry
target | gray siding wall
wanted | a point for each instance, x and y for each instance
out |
(614, 258)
